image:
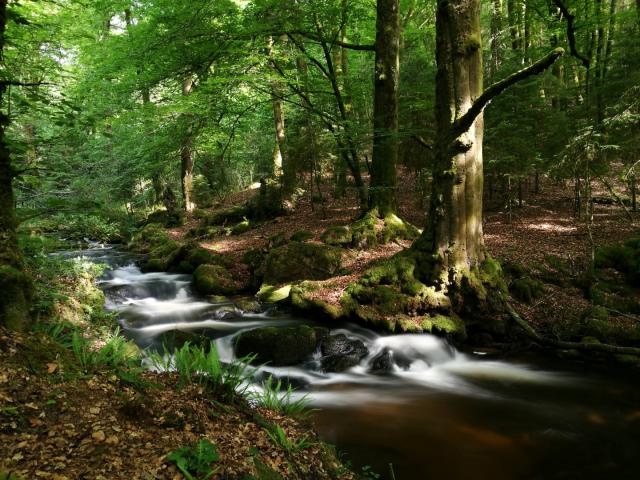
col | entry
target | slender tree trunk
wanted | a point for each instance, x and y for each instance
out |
(382, 192)
(496, 30)
(15, 286)
(186, 155)
(632, 184)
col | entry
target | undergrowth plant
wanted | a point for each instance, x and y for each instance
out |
(9, 476)
(279, 437)
(195, 364)
(195, 461)
(274, 397)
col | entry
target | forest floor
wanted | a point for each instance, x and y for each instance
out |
(542, 229)
(58, 424)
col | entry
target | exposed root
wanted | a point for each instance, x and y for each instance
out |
(564, 345)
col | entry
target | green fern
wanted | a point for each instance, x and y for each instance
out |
(195, 461)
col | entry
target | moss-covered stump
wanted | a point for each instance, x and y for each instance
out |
(371, 230)
(338, 236)
(241, 227)
(397, 296)
(304, 298)
(280, 346)
(300, 261)
(215, 280)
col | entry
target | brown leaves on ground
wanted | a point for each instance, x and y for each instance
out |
(98, 428)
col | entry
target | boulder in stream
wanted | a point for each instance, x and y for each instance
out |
(280, 346)
(215, 280)
(339, 353)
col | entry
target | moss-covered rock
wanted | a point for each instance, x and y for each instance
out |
(248, 305)
(526, 289)
(167, 218)
(215, 280)
(303, 299)
(273, 293)
(338, 235)
(301, 236)
(443, 325)
(300, 261)
(241, 227)
(395, 228)
(364, 231)
(228, 216)
(280, 346)
(625, 258)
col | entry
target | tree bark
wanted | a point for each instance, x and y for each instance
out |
(186, 155)
(452, 244)
(382, 191)
(15, 286)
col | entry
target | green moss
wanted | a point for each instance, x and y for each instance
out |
(300, 261)
(450, 326)
(301, 236)
(215, 280)
(337, 235)
(302, 299)
(526, 289)
(273, 294)
(364, 231)
(397, 229)
(241, 227)
(228, 216)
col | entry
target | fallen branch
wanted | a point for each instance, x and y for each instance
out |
(584, 347)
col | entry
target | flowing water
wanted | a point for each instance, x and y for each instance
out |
(438, 413)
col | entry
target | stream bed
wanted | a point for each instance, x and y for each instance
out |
(437, 413)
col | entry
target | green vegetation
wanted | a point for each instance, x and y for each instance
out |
(279, 437)
(274, 397)
(196, 364)
(195, 461)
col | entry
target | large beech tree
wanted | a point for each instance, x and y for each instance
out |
(452, 244)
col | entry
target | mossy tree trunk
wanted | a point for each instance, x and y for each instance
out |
(382, 191)
(452, 245)
(15, 285)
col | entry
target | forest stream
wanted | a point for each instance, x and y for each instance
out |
(437, 413)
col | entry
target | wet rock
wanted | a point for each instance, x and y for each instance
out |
(280, 346)
(382, 363)
(249, 305)
(341, 353)
(177, 339)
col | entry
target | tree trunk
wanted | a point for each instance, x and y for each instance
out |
(496, 29)
(454, 225)
(15, 286)
(452, 245)
(382, 192)
(186, 155)
(632, 181)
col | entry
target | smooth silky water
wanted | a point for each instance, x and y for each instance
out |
(443, 414)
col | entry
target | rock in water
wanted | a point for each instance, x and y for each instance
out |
(280, 346)
(341, 353)
(382, 363)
